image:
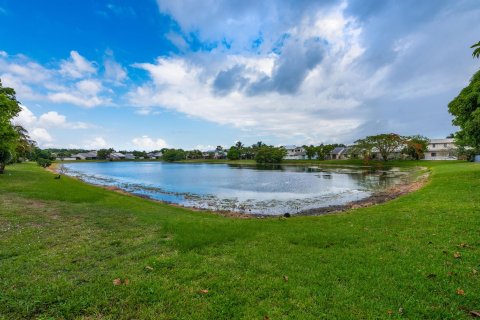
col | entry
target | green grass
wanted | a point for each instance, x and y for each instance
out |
(63, 242)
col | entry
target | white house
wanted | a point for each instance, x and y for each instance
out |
(295, 153)
(441, 149)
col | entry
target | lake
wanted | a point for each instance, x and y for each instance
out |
(263, 190)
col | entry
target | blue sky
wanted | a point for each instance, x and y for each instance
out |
(195, 74)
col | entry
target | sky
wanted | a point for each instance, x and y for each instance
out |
(149, 74)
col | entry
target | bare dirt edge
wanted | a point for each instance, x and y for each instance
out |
(379, 197)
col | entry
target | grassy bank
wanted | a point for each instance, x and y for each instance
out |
(62, 243)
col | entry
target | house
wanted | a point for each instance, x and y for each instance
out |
(129, 156)
(92, 155)
(339, 153)
(155, 155)
(295, 153)
(116, 156)
(441, 149)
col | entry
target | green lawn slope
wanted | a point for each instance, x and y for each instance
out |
(63, 242)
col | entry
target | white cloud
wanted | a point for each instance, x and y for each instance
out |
(40, 135)
(147, 143)
(114, 72)
(38, 127)
(96, 143)
(202, 147)
(73, 82)
(77, 66)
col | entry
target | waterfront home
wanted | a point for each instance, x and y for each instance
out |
(116, 156)
(155, 155)
(441, 149)
(295, 153)
(129, 156)
(92, 155)
(339, 153)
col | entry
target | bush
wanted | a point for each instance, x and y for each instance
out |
(172, 155)
(268, 154)
(44, 163)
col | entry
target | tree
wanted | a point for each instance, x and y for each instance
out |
(476, 52)
(385, 143)
(415, 146)
(25, 145)
(310, 151)
(172, 155)
(466, 111)
(233, 153)
(269, 154)
(104, 153)
(9, 108)
(324, 150)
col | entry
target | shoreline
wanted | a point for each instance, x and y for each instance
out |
(376, 198)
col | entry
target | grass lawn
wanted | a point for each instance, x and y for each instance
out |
(63, 242)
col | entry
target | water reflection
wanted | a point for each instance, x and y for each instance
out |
(271, 189)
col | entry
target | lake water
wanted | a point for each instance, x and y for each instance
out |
(273, 190)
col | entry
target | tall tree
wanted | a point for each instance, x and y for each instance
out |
(466, 111)
(9, 108)
(415, 146)
(25, 145)
(385, 144)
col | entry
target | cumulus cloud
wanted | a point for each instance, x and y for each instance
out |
(147, 143)
(95, 143)
(77, 66)
(38, 127)
(114, 72)
(74, 81)
(313, 71)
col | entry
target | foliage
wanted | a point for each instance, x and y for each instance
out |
(466, 110)
(233, 153)
(44, 163)
(310, 151)
(9, 108)
(385, 144)
(466, 153)
(415, 146)
(25, 145)
(172, 155)
(194, 154)
(476, 52)
(104, 153)
(324, 150)
(270, 154)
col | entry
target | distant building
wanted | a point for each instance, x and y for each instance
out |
(441, 149)
(154, 155)
(339, 153)
(129, 156)
(92, 155)
(116, 156)
(295, 153)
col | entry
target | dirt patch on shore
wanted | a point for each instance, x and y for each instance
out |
(377, 198)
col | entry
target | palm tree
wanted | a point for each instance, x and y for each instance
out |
(25, 144)
(476, 52)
